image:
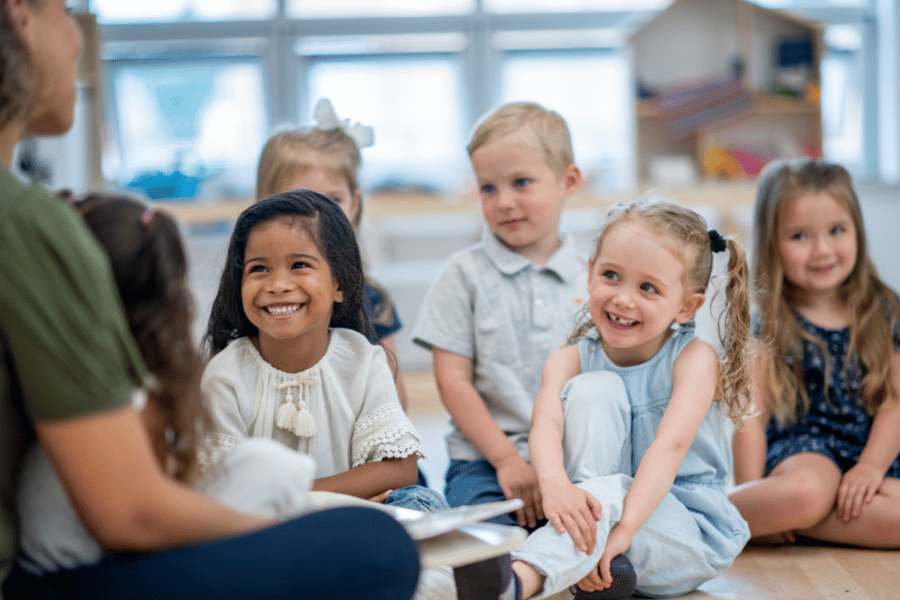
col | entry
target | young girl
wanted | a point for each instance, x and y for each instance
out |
(628, 434)
(150, 268)
(292, 360)
(820, 457)
(326, 159)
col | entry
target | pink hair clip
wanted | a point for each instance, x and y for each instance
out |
(148, 216)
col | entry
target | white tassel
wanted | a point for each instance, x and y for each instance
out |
(286, 415)
(304, 425)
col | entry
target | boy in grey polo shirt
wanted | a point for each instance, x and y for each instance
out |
(499, 308)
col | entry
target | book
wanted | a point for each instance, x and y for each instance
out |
(453, 537)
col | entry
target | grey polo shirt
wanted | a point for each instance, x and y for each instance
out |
(507, 315)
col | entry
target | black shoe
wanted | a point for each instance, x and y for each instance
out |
(490, 579)
(624, 580)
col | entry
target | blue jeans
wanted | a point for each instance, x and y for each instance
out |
(329, 555)
(417, 497)
(475, 482)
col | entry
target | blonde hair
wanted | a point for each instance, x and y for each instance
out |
(294, 152)
(689, 241)
(872, 305)
(548, 126)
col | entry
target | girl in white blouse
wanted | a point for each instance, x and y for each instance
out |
(291, 357)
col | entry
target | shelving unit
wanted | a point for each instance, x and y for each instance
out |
(697, 41)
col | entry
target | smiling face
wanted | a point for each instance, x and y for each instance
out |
(288, 292)
(328, 182)
(521, 197)
(816, 243)
(53, 41)
(636, 292)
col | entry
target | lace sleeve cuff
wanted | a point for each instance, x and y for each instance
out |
(384, 433)
(213, 447)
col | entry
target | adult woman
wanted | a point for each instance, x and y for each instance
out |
(68, 369)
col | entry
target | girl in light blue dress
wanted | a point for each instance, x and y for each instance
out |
(629, 432)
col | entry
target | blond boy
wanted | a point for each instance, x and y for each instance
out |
(499, 308)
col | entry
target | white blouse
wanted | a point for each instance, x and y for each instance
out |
(343, 411)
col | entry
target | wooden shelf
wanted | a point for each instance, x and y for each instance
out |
(765, 104)
(697, 41)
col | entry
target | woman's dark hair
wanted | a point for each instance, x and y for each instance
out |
(150, 267)
(327, 226)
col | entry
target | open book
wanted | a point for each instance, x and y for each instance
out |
(452, 537)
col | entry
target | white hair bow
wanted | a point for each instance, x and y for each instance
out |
(326, 120)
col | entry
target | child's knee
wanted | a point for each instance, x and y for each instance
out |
(418, 497)
(810, 498)
(595, 391)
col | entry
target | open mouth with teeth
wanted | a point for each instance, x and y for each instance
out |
(619, 322)
(282, 310)
(824, 269)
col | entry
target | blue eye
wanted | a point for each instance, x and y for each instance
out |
(488, 189)
(300, 265)
(647, 287)
(522, 182)
(611, 275)
(838, 229)
(799, 236)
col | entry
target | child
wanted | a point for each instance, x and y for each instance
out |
(628, 438)
(499, 308)
(150, 268)
(326, 159)
(291, 360)
(820, 458)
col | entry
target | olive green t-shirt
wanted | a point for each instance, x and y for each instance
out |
(65, 348)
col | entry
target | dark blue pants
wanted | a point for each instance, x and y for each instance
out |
(336, 554)
(475, 482)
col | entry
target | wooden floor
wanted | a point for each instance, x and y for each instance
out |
(807, 573)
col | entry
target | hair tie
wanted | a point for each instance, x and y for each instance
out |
(716, 241)
(148, 216)
(327, 120)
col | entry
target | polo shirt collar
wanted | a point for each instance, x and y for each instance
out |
(566, 262)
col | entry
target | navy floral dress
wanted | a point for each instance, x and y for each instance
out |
(836, 425)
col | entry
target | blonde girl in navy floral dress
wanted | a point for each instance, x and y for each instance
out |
(820, 457)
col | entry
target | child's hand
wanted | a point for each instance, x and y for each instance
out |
(517, 480)
(617, 543)
(858, 486)
(575, 510)
(380, 498)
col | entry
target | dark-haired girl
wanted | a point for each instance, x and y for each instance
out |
(292, 358)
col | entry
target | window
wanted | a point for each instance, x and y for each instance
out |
(572, 5)
(186, 128)
(414, 106)
(374, 8)
(163, 11)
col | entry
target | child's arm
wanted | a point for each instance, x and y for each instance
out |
(454, 374)
(372, 478)
(749, 444)
(694, 378)
(860, 483)
(567, 506)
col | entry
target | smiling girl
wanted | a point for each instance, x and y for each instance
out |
(820, 457)
(628, 438)
(292, 360)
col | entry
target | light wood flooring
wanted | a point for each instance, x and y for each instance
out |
(759, 573)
